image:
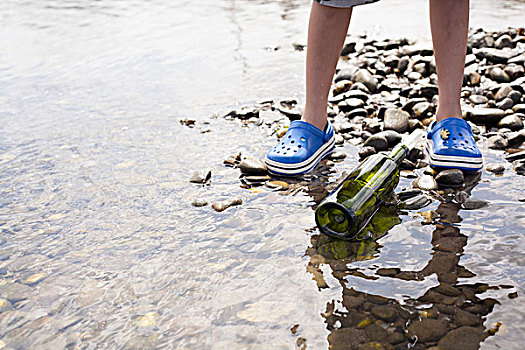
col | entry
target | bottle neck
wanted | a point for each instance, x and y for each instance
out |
(399, 153)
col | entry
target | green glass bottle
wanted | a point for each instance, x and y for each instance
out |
(349, 208)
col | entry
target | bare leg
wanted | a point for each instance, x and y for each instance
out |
(449, 22)
(326, 35)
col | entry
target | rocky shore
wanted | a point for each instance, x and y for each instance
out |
(384, 89)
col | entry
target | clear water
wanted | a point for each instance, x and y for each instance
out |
(94, 190)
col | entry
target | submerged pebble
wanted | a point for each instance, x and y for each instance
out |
(222, 206)
(473, 204)
(426, 183)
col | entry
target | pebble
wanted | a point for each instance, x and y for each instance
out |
(397, 120)
(253, 166)
(463, 338)
(519, 168)
(515, 96)
(34, 279)
(515, 156)
(504, 41)
(392, 137)
(426, 183)
(416, 203)
(222, 206)
(379, 142)
(277, 185)
(499, 75)
(199, 203)
(503, 92)
(337, 155)
(257, 179)
(385, 312)
(364, 77)
(148, 320)
(505, 104)
(497, 142)
(473, 204)
(408, 193)
(494, 55)
(200, 177)
(366, 151)
(519, 108)
(421, 110)
(512, 122)
(485, 115)
(461, 197)
(450, 178)
(427, 330)
(478, 99)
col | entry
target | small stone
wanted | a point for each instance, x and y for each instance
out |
(503, 92)
(257, 179)
(478, 99)
(339, 140)
(397, 120)
(504, 41)
(450, 178)
(34, 279)
(348, 49)
(463, 338)
(409, 193)
(495, 55)
(505, 104)
(473, 204)
(148, 320)
(421, 110)
(499, 75)
(278, 185)
(416, 203)
(474, 78)
(514, 71)
(427, 330)
(403, 64)
(363, 76)
(461, 197)
(377, 141)
(350, 104)
(464, 318)
(199, 203)
(520, 168)
(485, 115)
(515, 96)
(222, 206)
(396, 338)
(253, 166)
(512, 122)
(497, 142)
(366, 151)
(414, 76)
(5, 305)
(515, 156)
(337, 156)
(200, 177)
(519, 108)
(384, 312)
(426, 183)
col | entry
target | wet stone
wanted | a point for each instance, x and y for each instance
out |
(512, 122)
(519, 168)
(426, 183)
(397, 120)
(473, 204)
(364, 77)
(503, 92)
(384, 312)
(277, 185)
(222, 206)
(427, 330)
(337, 155)
(515, 96)
(376, 333)
(409, 193)
(461, 197)
(257, 179)
(450, 178)
(499, 75)
(495, 55)
(478, 99)
(464, 318)
(200, 177)
(199, 203)
(396, 338)
(416, 203)
(14, 292)
(485, 115)
(504, 41)
(34, 279)
(497, 142)
(463, 338)
(392, 137)
(505, 104)
(253, 166)
(515, 156)
(377, 141)
(495, 168)
(366, 151)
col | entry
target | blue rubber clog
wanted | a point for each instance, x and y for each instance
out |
(301, 149)
(451, 145)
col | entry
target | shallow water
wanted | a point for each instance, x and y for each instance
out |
(94, 191)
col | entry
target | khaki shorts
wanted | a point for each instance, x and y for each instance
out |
(344, 3)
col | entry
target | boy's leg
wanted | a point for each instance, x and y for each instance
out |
(449, 23)
(326, 35)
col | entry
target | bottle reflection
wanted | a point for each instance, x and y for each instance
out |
(447, 316)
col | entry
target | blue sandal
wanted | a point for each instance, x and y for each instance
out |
(301, 149)
(451, 145)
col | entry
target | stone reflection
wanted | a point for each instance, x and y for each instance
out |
(447, 317)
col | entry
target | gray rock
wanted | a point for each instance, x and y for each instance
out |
(397, 120)
(499, 75)
(366, 151)
(515, 96)
(512, 122)
(514, 71)
(497, 142)
(515, 156)
(505, 104)
(519, 168)
(364, 77)
(379, 142)
(463, 338)
(427, 330)
(414, 76)
(385, 312)
(200, 177)
(495, 168)
(504, 41)
(519, 108)
(503, 92)
(15, 292)
(392, 136)
(350, 104)
(358, 112)
(478, 99)
(516, 138)
(416, 203)
(253, 166)
(257, 179)
(348, 49)
(450, 178)
(426, 183)
(337, 156)
(403, 64)
(421, 110)
(461, 197)
(473, 204)
(345, 74)
(485, 115)
(495, 55)
(356, 94)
